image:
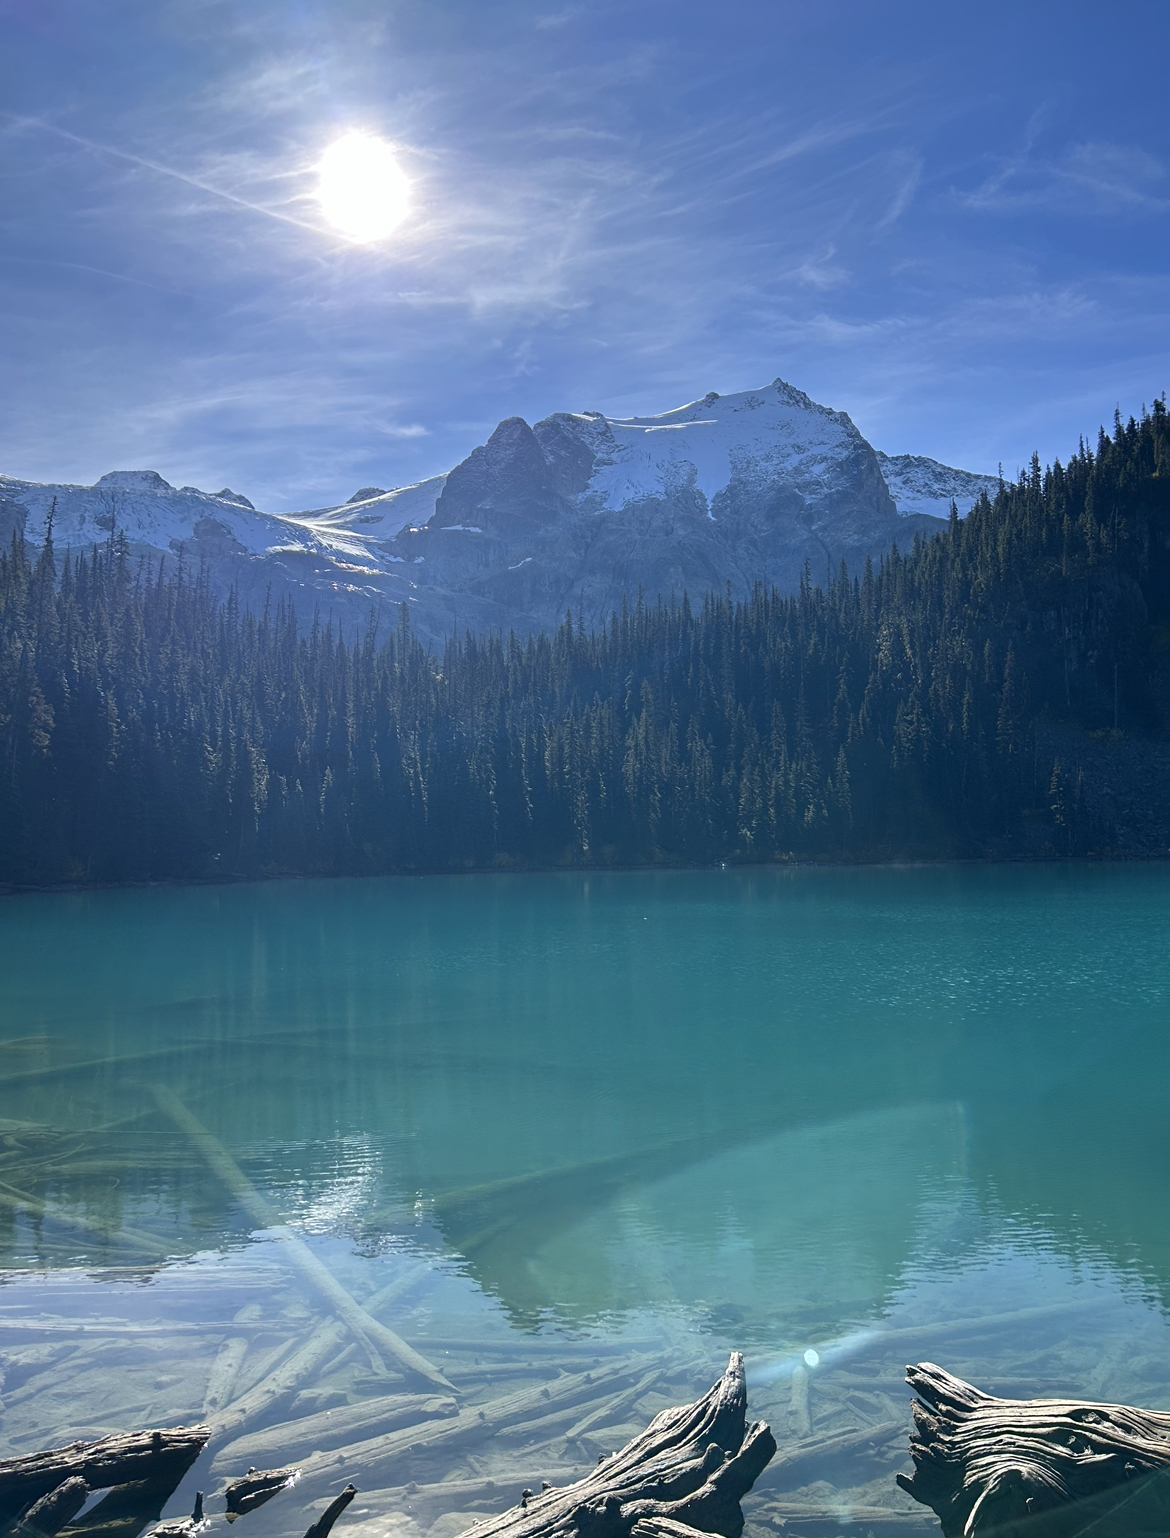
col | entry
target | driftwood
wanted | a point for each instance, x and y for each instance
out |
(800, 1411)
(142, 1455)
(375, 1337)
(320, 1528)
(254, 1489)
(1041, 1468)
(183, 1527)
(556, 1351)
(41, 1495)
(684, 1475)
(140, 1470)
(261, 1364)
(50, 1514)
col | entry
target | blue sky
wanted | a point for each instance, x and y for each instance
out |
(949, 220)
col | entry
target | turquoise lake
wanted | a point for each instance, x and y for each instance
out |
(876, 1115)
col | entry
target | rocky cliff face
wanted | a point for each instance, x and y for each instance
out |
(572, 514)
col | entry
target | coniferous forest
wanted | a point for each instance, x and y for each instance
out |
(149, 731)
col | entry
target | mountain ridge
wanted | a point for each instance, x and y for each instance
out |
(578, 511)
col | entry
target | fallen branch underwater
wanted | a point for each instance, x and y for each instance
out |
(391, 1456)
(374, 1336)
(1040, 1468)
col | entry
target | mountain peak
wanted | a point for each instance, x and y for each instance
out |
(578, 511)
(228, 495)
(134, 480)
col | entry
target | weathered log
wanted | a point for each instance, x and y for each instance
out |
(125, 1511)
(399, 1287)
(829, 1517)
(389, 1457)
(281, 1383)
(50, 1514)
(1041, 1468)
(605, 1414)
(155, 1456)
(221, 1380)
(321, 1527)
(334, 1428)
(183, 1527)
(262, 1364)
(503, 1346)
(800, 1412)
(428, 1501)
(684, 1475)
(103, 1329)
(800, 1460)
(376, 1338)
(255, 1489)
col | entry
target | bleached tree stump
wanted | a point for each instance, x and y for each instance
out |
(685, 1475)
(1036, 1468)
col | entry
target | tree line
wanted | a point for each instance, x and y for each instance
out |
(151, 731)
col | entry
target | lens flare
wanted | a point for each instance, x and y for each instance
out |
(361, 188)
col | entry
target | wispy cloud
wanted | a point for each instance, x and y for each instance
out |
(820, 271)
(551, 20)
(146, 164)
(1088, 178)
(908, 170)
(615, 209)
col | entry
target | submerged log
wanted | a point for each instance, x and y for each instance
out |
(685, 1474)
(376, 1338)
(124, 1238)
(221, 1380)
(392, 1457)
(1041, 1468)
(280, 1383)
(335, 1428)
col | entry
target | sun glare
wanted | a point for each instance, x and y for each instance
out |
(361, 188)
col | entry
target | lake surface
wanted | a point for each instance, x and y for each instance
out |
(551, 1124)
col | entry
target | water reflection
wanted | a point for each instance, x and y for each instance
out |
(864, 1115)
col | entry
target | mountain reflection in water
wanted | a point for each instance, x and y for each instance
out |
(863, 1115)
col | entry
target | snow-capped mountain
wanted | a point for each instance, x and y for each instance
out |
(575, 513)
(920, 485)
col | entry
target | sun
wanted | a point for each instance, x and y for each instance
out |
(361, 188)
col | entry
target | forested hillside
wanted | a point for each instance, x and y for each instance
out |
(149, 732)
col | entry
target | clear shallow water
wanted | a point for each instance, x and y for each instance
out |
(573, 1119)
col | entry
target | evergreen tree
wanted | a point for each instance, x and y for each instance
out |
(148, 731)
